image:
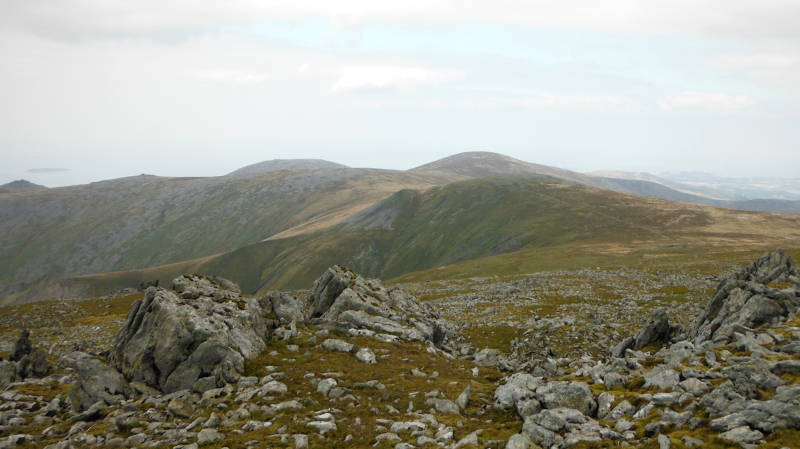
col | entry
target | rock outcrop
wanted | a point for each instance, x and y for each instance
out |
(24, 361)
(201, 327)
(745, 299)
(344, 299)
(657, 329)
(95, 382)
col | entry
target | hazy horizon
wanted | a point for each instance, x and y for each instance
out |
(108, 90)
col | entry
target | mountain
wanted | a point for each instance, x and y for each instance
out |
(20, 186)
(479, 164)
(748, 188)
(141, 222)
(285, 164)
(659, 190)
(551, 224)
(144, 221)
(701, 191)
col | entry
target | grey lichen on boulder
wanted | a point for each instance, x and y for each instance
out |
(201, 327)
(745, 299)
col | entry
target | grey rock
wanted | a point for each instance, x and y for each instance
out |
(622, 409)
(662, 379)
(745, 300)
(573, 395)
(692, 442)
(540, 435)
(95, 381)
(366, 355)
(487, 357)
(695, 387)
(743, 434)
(518, 387)
(663, 442)
(326, 385)
(341, 296)
(519, 441)
(201, 328)
(22, 347)
(786, 367)
(208, 436)
(463, 399)
(181, 407)
(444, 406)
(615, 380)
(300, 441)
(333, 344)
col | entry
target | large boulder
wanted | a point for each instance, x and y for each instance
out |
(656, 330)
(346, 300)
(571, 395)
(22, 347)
(95, 382)
(201, 327)
(745, 299)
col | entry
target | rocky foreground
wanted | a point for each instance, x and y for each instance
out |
(354, 363)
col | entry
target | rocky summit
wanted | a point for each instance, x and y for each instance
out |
(352, 362)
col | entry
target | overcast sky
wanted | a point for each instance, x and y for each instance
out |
(196, 87)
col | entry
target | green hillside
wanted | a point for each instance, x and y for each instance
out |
(145, 221)
(540, 224)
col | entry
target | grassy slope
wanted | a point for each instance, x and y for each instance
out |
(484, 227)
(149, 221)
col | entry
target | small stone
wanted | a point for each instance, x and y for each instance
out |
(208, 436)
(366, 355)
(333, 344)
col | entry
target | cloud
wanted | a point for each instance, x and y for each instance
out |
(748, 19)
(390, 78)
(550, 101)
(46, 170)
(706, 100)
(770, 69)
(232, 77)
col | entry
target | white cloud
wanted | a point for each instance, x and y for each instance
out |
(546, 101)
(232, 77)
(706, 100)
(728, 18)
(771, 69)
(393, 78)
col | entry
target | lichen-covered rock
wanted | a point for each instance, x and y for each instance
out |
(571, 395)
(95, 382)
(656, 330)
(518, 387)
(744, 299)
(202, 328)
(22, 347)
(342, 297)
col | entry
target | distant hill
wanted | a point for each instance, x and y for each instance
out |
(144, 221)
(658, 190)
(416, 230)
(285, 164)
(479, 164)
(20, 186)
(701, 191)
(748, 188)
(293, 219)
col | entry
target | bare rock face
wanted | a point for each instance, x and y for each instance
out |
(657, 329)
(341, 296)
(745, 299)
(96, 382)
(22, 347)
(201, 327)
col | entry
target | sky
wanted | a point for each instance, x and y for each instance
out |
(105, 89)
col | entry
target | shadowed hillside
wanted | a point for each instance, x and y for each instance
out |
(470, 220)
